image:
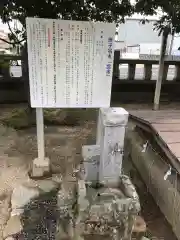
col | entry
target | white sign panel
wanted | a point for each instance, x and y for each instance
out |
(70, 63)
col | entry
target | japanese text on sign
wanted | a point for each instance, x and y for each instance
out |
(70, 63)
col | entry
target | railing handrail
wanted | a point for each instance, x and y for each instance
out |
(145, 61)
(147, 68)
(131, 66)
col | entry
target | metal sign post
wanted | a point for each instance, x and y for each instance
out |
(40, 133)
(41, 164)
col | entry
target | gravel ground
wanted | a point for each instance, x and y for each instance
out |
(63, 147)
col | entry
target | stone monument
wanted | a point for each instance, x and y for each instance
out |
(106, 201)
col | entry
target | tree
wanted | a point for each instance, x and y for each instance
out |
(170, 13)
(96, 10)
(169, 23)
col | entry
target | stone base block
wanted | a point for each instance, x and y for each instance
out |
(91, 156)
(40, 168)
(107, 211)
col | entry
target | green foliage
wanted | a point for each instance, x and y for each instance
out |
(21, 118)
(4, 66)
(170, 13)
(95, 10)
(98, 10)
(4, 63)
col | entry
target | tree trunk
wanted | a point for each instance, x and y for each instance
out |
(172, 42)
(161, 69)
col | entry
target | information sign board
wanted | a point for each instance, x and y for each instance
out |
(70, 63)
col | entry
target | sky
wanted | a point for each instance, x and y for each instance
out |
(5, 28)
(2, 26)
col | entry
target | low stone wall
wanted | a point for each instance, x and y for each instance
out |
(152, 170)
(14, 91)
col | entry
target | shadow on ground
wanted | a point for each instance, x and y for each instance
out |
(39, 218)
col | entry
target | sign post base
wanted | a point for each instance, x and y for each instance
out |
(40, 167)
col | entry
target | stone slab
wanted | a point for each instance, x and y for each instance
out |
(91, 156)
(40, 167)
(114, 116)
